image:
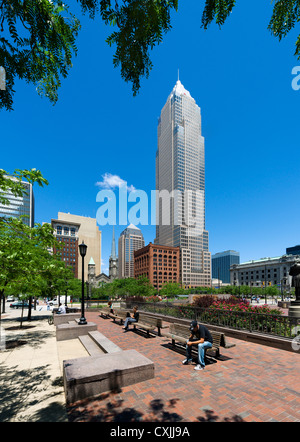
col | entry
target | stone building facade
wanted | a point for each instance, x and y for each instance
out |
(160, 264)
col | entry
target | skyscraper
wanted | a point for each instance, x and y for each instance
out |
(20, 205)
(131, 239)
(180, 173)
(221, 263)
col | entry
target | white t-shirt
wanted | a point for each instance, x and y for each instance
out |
(62, 309)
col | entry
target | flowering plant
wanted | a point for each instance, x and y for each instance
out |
(245, 307)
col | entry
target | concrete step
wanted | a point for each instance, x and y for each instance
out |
(103, 342)
(90, 345)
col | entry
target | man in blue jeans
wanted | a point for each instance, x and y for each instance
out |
(200, 336)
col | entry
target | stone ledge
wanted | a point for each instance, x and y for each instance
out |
(87, 377)
(73, 330)
(65, 318)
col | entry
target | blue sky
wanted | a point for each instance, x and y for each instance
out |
(240, 76)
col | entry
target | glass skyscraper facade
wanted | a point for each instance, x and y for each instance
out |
(180, 173)
(20, 205)
(131, 239)
(221, 263)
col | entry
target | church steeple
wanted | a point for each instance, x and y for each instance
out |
(113, 246)
(113, 260)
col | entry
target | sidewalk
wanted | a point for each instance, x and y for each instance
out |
(31, 385)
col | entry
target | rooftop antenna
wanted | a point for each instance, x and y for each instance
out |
(178, 74)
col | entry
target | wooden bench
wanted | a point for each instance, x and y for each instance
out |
(149, 323)
(224, 343)
(105, 311)
(181, 333)
(146, 323)
(119, 315)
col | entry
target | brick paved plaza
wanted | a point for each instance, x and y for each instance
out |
(250, 382)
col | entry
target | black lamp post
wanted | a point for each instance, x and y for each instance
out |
(66, 295)
(82, 249)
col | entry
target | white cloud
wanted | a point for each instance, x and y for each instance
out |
(110, 181)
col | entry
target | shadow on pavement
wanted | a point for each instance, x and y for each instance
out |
(21, 389)
(114, 411)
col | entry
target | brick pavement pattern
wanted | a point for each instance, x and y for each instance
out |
(249, 383)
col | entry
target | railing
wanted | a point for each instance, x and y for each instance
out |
(276, 325)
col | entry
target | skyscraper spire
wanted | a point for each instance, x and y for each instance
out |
(113, 259)
(113, 246)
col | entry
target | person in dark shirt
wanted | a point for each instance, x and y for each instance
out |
(134, 317)
(200, 336)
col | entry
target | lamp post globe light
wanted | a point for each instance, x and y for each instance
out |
(82, 250)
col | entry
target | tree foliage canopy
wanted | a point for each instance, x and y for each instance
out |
(26, 267)
(13, 182)
(37, 37)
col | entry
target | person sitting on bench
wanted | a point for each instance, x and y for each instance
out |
(134, 317)
(61, 309)
(111, 307)
(200, 336)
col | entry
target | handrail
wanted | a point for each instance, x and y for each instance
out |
(270, 324)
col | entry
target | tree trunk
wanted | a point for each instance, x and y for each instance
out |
(29, 308)
(1, 294)
(21, 323)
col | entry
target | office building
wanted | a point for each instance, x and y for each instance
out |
(87, 231)
(220, 265)
(160, 264)
(293, 250)
(180, 173)
(263, 272)
(131, 239)
(20, 205)
(67, 234)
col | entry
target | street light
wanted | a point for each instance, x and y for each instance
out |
(66, 295)
(82, 250)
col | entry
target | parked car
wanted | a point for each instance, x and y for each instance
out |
(62, 300)
(19, 304)
(10, 299)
